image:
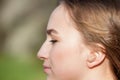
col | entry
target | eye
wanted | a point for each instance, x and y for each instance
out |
(53, 41)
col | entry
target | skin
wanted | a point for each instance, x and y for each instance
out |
(65, 53)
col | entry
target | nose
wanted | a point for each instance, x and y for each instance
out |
(43, 53)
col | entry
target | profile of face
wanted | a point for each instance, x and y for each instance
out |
(64, 51)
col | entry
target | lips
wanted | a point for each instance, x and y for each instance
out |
(47, 69)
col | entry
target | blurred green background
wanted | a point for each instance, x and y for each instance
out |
(22, 32)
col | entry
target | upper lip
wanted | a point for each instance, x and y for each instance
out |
(46, 66)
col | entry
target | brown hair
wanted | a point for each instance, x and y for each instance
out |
(99, 21)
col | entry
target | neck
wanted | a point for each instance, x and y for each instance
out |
(101, 72)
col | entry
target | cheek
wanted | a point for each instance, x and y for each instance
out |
(66, 61)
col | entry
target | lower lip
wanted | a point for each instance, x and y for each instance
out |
(47, 70)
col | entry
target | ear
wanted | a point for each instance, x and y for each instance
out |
(95, 58)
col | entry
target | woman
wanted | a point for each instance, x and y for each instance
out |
(83, 41)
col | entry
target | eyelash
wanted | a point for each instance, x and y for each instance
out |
(53, 41)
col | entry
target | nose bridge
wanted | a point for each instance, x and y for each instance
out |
(43, 52)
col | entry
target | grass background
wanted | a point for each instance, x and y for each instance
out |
(21, 68)
(22, 32)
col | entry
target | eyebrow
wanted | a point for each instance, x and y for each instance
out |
(50, 31)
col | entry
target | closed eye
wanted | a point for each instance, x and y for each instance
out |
(53, 41)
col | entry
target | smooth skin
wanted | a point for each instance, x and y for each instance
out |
(65, 54)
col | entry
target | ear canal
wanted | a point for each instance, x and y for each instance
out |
(91, 58)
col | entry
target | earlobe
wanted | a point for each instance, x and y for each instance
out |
(95, 59)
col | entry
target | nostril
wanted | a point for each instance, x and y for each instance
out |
(40, 57)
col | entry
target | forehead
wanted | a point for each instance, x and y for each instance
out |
(61, 22)
(59, 18)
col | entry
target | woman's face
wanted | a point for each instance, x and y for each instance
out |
(64, 52)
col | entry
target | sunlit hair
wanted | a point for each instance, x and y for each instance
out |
(99, 21)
